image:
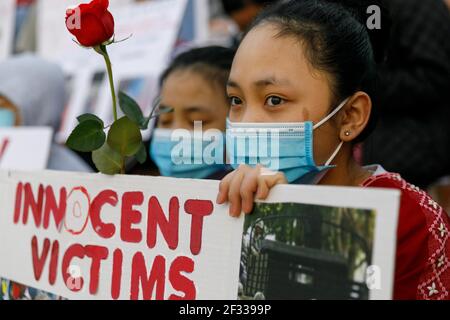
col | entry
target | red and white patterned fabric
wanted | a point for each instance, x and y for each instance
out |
(423, 242)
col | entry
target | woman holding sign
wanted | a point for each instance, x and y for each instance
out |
(307, 71)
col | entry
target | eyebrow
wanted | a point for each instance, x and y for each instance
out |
(270, 81)
(232, 84)
(190, 109)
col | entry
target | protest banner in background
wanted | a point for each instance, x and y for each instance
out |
(7, 19)
(88, 236)
(25, 148)
(91, 94)
(195, 25)
(153, 27)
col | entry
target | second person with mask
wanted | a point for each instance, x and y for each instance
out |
(194, 87)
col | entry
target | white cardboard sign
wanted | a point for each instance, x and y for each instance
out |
(25, 148)
(130, 237)
(89, 236)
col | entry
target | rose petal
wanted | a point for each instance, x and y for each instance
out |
(108, 24)
(99, 6)
(92, 31)
(97, 23)
(92, 8)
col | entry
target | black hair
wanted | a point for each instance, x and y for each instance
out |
(336, 41)
(213, 63)
(231, 6)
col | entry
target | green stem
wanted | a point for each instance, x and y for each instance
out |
(111, 80)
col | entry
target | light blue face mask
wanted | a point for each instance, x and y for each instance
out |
(7, 118)
(284, 147)
(186, 159)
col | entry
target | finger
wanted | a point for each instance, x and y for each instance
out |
(248, 188)
(234, 196)
(263, 189)
(267, 181)
(279, 178)
(224, 186)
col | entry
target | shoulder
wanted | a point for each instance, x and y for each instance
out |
(423, 244)
(411, 196)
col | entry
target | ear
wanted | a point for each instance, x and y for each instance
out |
(355, 116)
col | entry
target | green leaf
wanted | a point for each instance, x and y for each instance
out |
(141, 155)
(131, 109)
(107, 160)
(125, 137)
(146, 122)
(90, 116)
(87, 136)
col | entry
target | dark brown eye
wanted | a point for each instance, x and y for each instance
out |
(274, 101)
(235, 101)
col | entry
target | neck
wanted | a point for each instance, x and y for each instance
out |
(347, 171)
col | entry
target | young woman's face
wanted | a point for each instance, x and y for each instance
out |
(272, 81)
(192, 98)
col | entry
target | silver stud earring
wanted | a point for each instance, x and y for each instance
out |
(347, 133)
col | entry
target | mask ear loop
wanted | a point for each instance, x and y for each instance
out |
(334, 154)
(331, 115)
(320, 123)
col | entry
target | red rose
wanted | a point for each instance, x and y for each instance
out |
(92, 24)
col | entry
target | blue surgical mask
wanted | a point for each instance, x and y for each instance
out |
(284, 147)
(188, 158)
(7, 118)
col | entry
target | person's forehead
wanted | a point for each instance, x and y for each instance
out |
(263, 50)
(188, 82)
(185, 90)
(184, 78)
(264, 55)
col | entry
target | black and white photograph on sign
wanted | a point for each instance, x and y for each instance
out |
(299, 251)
